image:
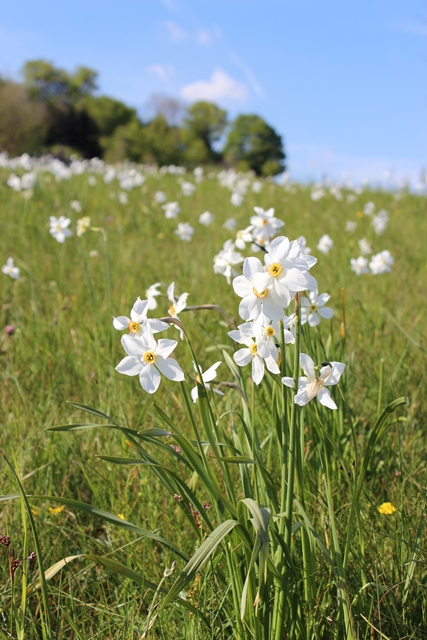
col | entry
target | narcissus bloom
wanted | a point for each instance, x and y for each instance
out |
(59, 228)
(256, 351)
(226, 260)
(325, 244)
(206, 218)
(313, 309)
(9, 269)
(381, 262)
(148, 359)
(138, 321)
(207, 377)
(151, 293)
(185, 231)
(82, 225)
(171, 209)
(312, 385)
(256, 300)
(359, 265)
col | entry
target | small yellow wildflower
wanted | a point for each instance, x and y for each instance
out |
(56, 510)
(35, 512)
(360, 214)
(121, 516)
(387, 509)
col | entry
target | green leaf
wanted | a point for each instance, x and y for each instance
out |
(207, 548)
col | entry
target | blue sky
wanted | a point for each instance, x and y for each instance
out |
(343, 81)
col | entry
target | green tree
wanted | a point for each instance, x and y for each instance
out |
(23, 125)
(108, 113)
(253, 144)
(203, 127)
(68, 121)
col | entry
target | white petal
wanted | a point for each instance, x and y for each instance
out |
(157, 325)
(121, 323)
(210, 373)
(323, 299)
(289, 382)
(336, 373)
(272, 365)
(250, 266)
(325, 398)
(130, 366)
(307, 365)
(170, 368)
(326, 312)
(257, 369)
(194, 393)
(165, 347)
(242, 357)
(133, 346)
(149, 378)
(313, 319)
(139, 310)
(242, 286)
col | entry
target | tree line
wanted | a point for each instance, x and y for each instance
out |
(60, 112)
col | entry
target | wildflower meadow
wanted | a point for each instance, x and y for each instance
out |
(212, 405)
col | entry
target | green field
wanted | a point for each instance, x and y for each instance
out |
(347, 571)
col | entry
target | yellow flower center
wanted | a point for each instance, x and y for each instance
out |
(134, 327)
(313, 307)
(275, 269)
(172, 311)
(149, 357)
(270, 331)
(253, 349)
(258, 294)
(265, 223)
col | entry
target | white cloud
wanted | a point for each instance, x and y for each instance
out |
(220, 86)
(256, 87)
(204, 36)
(175, 32)
(162, 71)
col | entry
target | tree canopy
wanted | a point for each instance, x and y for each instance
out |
(56, 108)
(253, 144)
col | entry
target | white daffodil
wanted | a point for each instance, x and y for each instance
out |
(268, 332)
(138, 321)
(380, 222)
(82, 226)
(151, 293)
(256, 351)
(206, 218)
(206, 377)
(303, 246)
(350, 225)
(147, 359)
(312, 308)
(185, 231)
(9, 269)
(369, 208)
(312, 385)
(59, 228)
(325, 244)
(265, 225)
(365, 247)
(160, 196)
(286, 271)
(243, 236)
(381, 262)
(188, 188)
(230, 224)
(359, 265)
(176, 305)
(171, 209)
(76, 206)
(226, 260)
(236, 199)
(255, 301)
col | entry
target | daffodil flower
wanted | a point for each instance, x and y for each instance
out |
(148, 359)
(207, 377)
(256, 351)
(313, 309)
(138, 320)
(312, 385)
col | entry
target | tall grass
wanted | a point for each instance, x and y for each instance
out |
(236, 517)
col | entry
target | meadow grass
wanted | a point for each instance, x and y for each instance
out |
(63, 350)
